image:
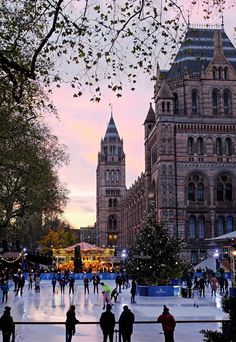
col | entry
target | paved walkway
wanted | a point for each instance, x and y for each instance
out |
(46, 307)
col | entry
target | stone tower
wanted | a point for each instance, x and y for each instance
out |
(190, 146)
(111, 187)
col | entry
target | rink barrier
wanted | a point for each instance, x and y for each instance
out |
(117, 334)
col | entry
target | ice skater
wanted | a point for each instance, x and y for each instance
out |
(86, 285)
(133, 291)
(196, 294)
(5, 290)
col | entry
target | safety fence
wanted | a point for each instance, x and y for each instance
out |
(143, 331)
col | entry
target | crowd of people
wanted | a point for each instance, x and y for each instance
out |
(195, 287)
(192, 287)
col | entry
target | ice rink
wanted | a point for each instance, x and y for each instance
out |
(48, 307)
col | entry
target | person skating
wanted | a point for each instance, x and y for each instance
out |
(133, 291)
(196, 294)
(62, 284)
(107, 323)
(21, 284)
(30, 281)
(71, 321)
(7, 324)
(114, 294)
(54, 282)
(96, 280)
(15, 281)
(126, 322)
(86, 285)
(37, 283)
(71, 282)
(106, 291)
(168, 324)
(202, 285)
(5, 290)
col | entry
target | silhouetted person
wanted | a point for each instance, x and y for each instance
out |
(107, 323)
(6, 324)
(86, 285)
(71, 321)
(133, 291)
(54, 281)
(71, 282)
(126, 322)
(5, 289)
(168, 324)
(21, 284)
(96, 280)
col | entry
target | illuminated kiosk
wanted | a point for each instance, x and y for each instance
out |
(227, 242)
(93, 258)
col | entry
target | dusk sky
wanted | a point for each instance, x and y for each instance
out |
(83, 123)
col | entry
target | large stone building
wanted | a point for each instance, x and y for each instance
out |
(111, 187)
(190, 146)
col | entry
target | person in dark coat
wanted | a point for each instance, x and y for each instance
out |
(54, 281)
(168, 324)
(133, 291)
(71, 321)
(21, 284)
(71, 282)
(7, 324)
(126, 322)
(96, 280)
(5, 289)
(107, 323)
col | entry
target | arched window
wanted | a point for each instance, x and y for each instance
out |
(163, 106)
(200, 192)
(215, 101)
(176, 103)
(219, 148)
(224, 189)
(168, 106)
(195, 102)
(220, 225)
(227, 99)
(192, 227)
(225, 73)
(190, 146)
(228, 192)
(107, 175)
(229, 224)
(117, 175)
(200, 149)
(220, 192)
(214, 73)
(112, 222)
(220, 73)
(201, 227)
(115, 202)
(228, 146)
(191, 192)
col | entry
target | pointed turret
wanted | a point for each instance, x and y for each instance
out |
(149, 121)
(111, 132)
(150, 118)
(164, 91)
(164, 100)
(219, 57)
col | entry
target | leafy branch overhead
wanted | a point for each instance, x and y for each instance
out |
(102, 40)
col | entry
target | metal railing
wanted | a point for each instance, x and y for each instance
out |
(116, 331)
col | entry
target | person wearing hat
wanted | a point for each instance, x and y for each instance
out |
(107, 323)
(168, 324)
(126, 322)
(6, 324)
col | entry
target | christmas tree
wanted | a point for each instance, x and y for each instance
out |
(155, 258)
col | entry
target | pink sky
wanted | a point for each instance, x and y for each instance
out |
(82, 125)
